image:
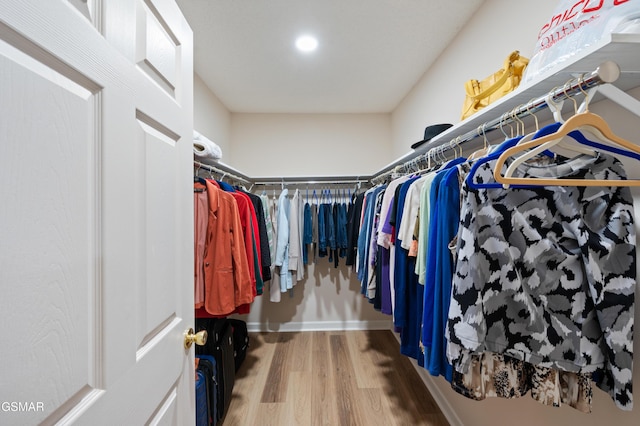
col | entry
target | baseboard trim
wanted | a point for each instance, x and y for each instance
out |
(319, 326)
(438, 396)
(436, 393)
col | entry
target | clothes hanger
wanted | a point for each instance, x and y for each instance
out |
(485, 149)
(444, 162)
(456, 141)
(575, 135)
(528, 136)
(197, 178)
(556, 109)
(586, 120)
(495, 153)
(557, 115)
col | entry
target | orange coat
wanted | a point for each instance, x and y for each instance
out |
(227, 280)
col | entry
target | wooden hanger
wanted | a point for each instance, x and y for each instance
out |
(592, 122)
(556, 109)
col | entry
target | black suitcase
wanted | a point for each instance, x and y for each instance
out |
(240, 341)
(220, 346)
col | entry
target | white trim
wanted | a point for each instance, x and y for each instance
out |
(319, 326)
(436, 394)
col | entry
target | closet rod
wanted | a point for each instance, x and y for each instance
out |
(225, 171)
(607, 72)
(312, 180)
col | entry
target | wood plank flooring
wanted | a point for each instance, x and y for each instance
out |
(342, 378)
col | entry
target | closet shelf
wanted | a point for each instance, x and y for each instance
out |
(620, 48)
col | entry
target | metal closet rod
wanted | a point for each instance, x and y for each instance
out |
(607, 72)
(224, 171)
(231, 173)
(312, 180)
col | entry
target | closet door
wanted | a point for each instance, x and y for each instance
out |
(96, 223)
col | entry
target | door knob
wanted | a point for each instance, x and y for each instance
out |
(199, 338)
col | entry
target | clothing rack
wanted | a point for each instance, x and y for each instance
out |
(607, 72)
(312, 180)
(224, 171)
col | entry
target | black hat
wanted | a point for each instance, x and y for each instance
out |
(430, 132)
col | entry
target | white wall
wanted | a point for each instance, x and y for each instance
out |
(327, 299)
(310, 144)
(499, 27)
(212, 118)
(276, 145)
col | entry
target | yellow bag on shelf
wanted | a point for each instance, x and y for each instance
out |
(479, 94)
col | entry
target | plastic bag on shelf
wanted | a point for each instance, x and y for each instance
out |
(577, 24)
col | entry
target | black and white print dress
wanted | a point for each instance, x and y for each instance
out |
(547, 275)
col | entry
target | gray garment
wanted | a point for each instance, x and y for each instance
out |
(547, 274)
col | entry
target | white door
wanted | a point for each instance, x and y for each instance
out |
(96, 224)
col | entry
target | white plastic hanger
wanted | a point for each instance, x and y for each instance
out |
(586, 120)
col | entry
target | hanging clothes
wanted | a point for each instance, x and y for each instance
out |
(443, 228)
(353, 227)
(408, 292)
(228, 283)
(264, 249)
(307, 237)
(296, 236)
(282, 246)
(499, 376)
(314, 230)
(386, 237)
(201, 213)
(249, 231)
(364, 237)
(538, 256)
(372, 247)
(268, 219)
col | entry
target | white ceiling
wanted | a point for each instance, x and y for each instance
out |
(370, 54)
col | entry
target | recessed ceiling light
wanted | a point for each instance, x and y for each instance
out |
(306, 43)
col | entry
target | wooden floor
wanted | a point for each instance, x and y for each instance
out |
(344, 378)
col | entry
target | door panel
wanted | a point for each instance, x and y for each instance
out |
(157, 50)
(47, 156)
(96, 217)
(157, 289)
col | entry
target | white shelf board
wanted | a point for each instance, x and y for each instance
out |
(623, 49)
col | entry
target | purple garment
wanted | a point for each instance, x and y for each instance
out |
(386, 226)
(387, 305)
(385, 283)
